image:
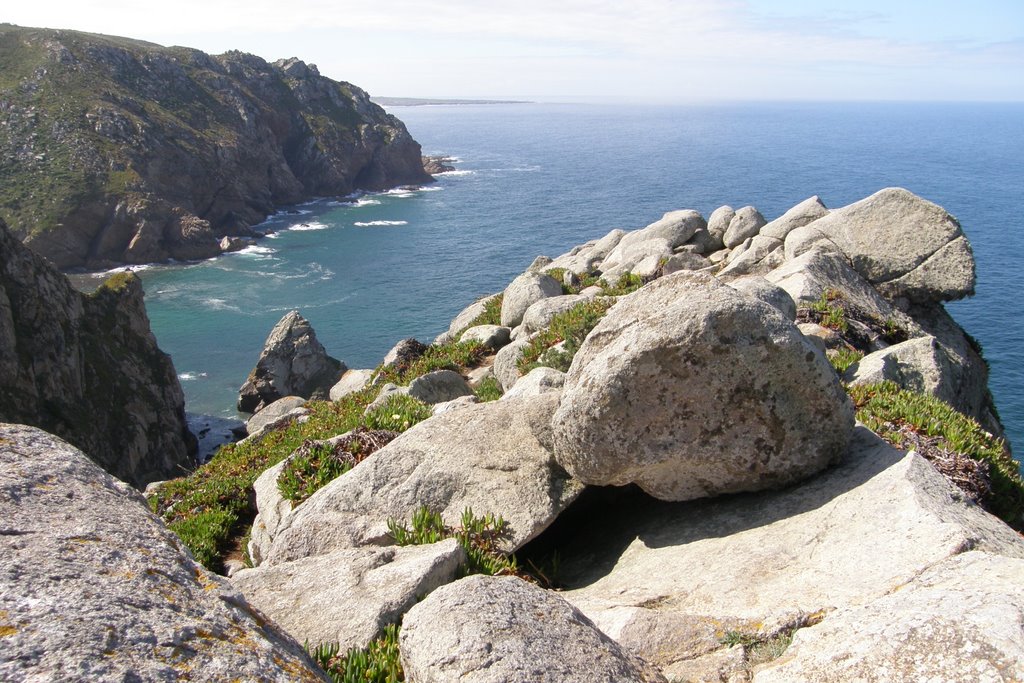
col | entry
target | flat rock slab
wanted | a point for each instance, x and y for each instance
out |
(670, 580)
(493, 457)
(94, 587)
(962, 620)
(349, 596)
(486, 629)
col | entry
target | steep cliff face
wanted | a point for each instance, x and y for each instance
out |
(87, 368)
(120, 151)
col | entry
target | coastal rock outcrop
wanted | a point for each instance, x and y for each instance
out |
(348, 596)
(87, 368)
(494, 629)
(523, 292)
(906, 246)
(960, 619)
(293, 363)
(668, 581)
(493, 457)
(169, 149)
(94, 587)
(690, 389)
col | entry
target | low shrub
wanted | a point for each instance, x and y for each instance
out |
(491, 314)
(829, 311)
(572, 327)
(398, 413)
(316, 463)
(843, 358)
(457, 356)
(489, 390)
(478, 536)
(626, 284)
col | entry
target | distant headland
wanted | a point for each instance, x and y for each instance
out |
(420, 101)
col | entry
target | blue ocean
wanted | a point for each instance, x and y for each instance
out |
(540, 178)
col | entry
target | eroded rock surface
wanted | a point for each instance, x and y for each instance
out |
(690, 389)
(94, 587)
(486, 629)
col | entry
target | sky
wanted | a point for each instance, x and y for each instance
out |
(599, 50)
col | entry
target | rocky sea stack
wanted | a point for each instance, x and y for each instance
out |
(119, 151)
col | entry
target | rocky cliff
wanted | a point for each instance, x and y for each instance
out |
(87, 368)
(119, 151)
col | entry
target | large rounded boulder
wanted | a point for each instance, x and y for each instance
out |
(690, 388)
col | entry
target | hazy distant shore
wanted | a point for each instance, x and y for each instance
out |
(420, 102)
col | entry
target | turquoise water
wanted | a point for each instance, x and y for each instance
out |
(538, 179)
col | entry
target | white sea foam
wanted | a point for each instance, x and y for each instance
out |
(457, 172)
(431, 188)
(372, 224)
(273, 235)
(120, 269)
(190, 376)
(400, 192)
(313, 225)
(257, 250)
(366, 201)
(216, 304)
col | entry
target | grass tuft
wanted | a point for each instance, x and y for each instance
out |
(455, 356)
(378, 662)
(572, 327)
(841, 359)
(478, 536)
(489, 390)
(829, 311)
(626, 284)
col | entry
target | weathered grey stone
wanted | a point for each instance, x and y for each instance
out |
(921, 365)
(587, 257)
(961, 620)
(746, 223)
(455, 404)
(491, 336)
(486, 629)
(289, 406)
(464, 319)
(669, 580)
(765, 291)
(87, 367)
(807, 211)
(292, 363)
(403, 353)
(591, 292)
(348, 596)
(814, 273)
(476, 376)
(94, 587)
(690, 388)
(703, 243)
(538, 316)
(685, 261)
(384, 395)
(718, 224)
(525, 290)
(493, 457)
(351, 382)
(628, 253)
(719, 256)
(822, 337)
(677, 227)
(761, 255)
(649, 267)
(272, 509)
(439, 386)
(536, 382)
(539, 263)
(505, 362)
(904, 245)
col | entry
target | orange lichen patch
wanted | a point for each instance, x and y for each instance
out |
(7, 630)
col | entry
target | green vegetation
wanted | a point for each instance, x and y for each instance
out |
(398, 413)
(317, 463)
(455, 356)
(489, 390)
(830, 312)
(491, 314)
(572, 327)
(626, 284)
(478, 536)
(886, 409)
(376, 663)
(212, 505)
(843, 358)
